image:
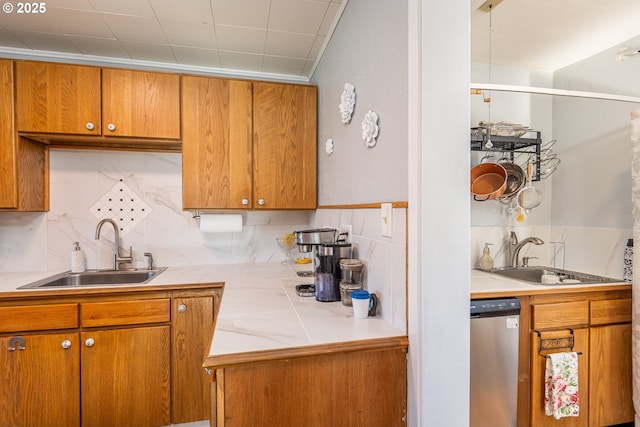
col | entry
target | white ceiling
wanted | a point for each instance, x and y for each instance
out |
(551, 34)
(271, 37)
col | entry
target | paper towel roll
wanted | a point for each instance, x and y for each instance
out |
(220, 223)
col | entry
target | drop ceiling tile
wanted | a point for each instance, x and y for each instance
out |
(70, 4)
(329, 18)
(288, 44)
(317, 46)
(190, 35)
(140, 8)
(58, 21)
(46, 41)
(111, 48)
(134, 29)
(198, 57)
(234, 12)
(308, 67)
(283, 65)
(241, 39)
(296, 16)
(184, 11)
(7, 39)
(150, 52)
(241, 61)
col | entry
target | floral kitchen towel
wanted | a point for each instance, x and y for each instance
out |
(561, 385)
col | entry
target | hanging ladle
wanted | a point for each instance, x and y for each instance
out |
(529, 197)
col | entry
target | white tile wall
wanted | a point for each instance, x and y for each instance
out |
(384, 257)
(79, 179)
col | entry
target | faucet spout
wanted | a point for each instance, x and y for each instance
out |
(520, 245)
(117, 259)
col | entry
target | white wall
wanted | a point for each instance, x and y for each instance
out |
(368, 50)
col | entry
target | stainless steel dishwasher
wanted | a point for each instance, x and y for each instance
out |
(494, 362)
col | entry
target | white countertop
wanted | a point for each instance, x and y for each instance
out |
(260, 309)
(483, 282)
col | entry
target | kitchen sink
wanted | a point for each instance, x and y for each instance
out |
(534, 275)
(96, 278)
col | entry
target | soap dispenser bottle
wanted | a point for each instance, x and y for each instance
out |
(486, 262)
(78, 263)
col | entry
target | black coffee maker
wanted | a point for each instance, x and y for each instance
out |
(328, 274)
(327, 253)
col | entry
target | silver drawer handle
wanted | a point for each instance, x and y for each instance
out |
(89, 342)
(17, 343)
(66, 344)
(90, 126)
(182, 308)
(111, 127)
(261, 202)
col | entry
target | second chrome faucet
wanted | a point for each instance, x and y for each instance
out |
(117, 259)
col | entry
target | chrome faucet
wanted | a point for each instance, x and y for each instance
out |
(520, 245)
(117, 259)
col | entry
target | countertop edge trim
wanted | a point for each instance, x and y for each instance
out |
(238, 359)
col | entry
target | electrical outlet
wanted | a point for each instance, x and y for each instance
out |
(346, 228)
(386, 212)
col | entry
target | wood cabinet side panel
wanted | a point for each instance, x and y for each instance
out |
(216, 144)
(8, 174)
(41, 384)
(141, 103)
(33, 176)
(359, 388)
(610, 379)
(191, 332)
(57, 98)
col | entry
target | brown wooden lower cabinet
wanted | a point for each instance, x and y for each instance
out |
(114, 360)
(360, 388)
(599, 325)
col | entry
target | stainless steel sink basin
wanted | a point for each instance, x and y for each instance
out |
(96, 278)
(534, 275)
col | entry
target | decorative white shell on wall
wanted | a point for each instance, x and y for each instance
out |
(347, 102)
(328, 146)
(370, 128)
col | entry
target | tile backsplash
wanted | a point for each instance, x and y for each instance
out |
(82, 181)
(590, 250)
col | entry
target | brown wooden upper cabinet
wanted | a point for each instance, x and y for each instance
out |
(83, 100)
(248, 145)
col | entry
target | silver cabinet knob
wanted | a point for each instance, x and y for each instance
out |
(66, 344)
(182, 308)
(261, 202)
(90, 126)
(111, 127)
(245, 202)
(209, 371)
(89, 342)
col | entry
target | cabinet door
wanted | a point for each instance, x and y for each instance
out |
(57, 98)
(191, 334)
(41, 383)
(284, 146)
(140, 104)
(126, 377)
(610, 385)
(216, 143)
(538, 366)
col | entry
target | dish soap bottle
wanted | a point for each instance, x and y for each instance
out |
(78, 264)
(486, 262)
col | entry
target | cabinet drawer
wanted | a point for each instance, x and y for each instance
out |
(560, 315)
(115, 313)
(611, 311)
(38, 317)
